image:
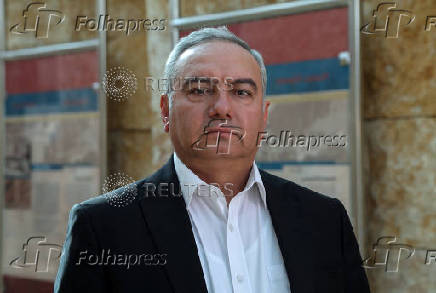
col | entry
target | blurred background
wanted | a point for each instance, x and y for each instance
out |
(79, 115)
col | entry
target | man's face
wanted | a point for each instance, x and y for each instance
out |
(217, 103)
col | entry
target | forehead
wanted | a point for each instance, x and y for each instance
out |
(218, 59)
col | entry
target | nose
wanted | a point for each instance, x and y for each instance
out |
(221, 106)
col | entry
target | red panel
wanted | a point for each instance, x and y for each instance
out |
(60, 72)
(306, 36)
(21, 285)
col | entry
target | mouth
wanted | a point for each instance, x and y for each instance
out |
(219, 129)
(226, 130)
(221, 132)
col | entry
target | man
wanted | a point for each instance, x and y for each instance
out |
(210, 220)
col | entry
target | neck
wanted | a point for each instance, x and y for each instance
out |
(229, 174)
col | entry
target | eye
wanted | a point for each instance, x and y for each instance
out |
(197, 91)
(200, 91)
(243, 93)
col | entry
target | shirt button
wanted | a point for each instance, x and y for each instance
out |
(240, 278)
(231, 227)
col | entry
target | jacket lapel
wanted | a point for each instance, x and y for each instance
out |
(170, 226)
(287, 218)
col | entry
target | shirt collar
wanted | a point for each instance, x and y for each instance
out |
(189, 181)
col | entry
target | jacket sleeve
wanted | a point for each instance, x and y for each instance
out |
(355, 277)
(78, 271)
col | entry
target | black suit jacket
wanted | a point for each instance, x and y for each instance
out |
(314, 233)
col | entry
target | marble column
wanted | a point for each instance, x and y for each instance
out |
(400, 144)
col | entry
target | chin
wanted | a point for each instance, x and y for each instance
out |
(221, 153)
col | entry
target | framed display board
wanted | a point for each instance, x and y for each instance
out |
(311, 53)
(53, 144)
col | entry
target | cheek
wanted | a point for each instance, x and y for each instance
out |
(254, 120)
(254, 128)
(187, 121)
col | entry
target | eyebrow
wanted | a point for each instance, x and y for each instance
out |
(190, 80)
(245, 81)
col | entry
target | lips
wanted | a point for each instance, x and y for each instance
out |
(221, 126)
(237, 131)
(220, 129)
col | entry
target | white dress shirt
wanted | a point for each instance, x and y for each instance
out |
(237, 245)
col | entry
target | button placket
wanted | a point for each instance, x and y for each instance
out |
(235, 250)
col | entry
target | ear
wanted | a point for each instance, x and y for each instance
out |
(265, 113)
(165, 112)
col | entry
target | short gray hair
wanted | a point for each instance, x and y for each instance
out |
(205, 35)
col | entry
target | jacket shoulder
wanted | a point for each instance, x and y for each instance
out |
(297, 192)
(120, 200)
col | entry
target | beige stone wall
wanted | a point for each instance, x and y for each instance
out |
(131, 123)
(158, 47)
(62, 33)
(400, 144)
